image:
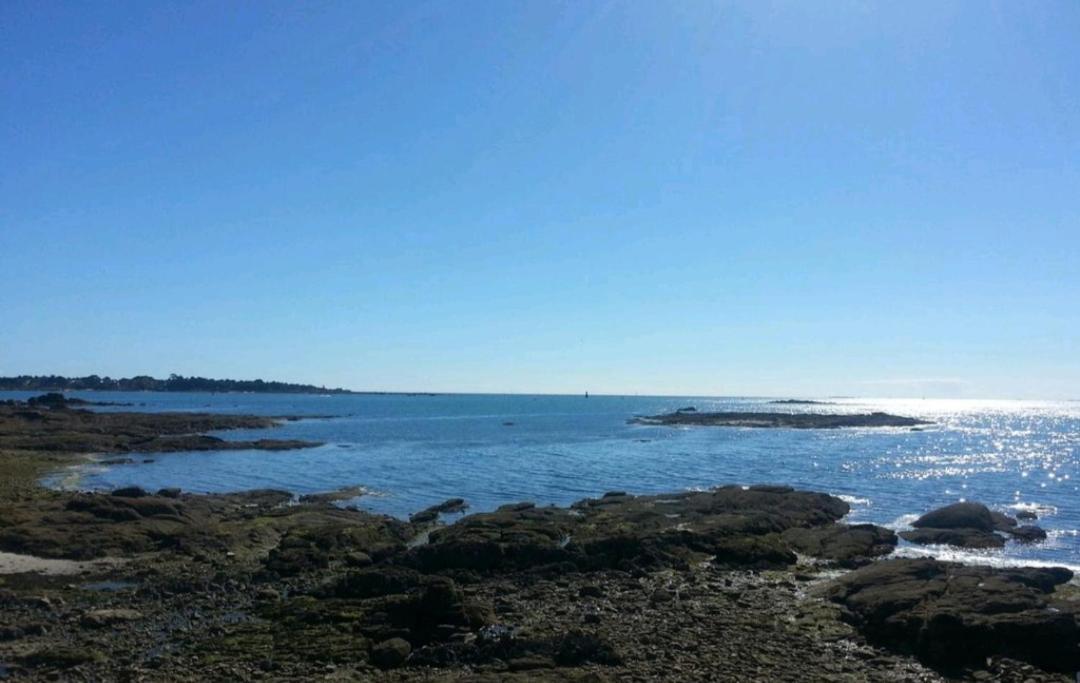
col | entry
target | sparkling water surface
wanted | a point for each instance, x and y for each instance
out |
(410, 452)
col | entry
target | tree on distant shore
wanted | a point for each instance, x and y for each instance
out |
(174, 382)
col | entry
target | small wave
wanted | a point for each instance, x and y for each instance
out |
(902, 523)
(1038, 508)
(988, 558)
(853, 500)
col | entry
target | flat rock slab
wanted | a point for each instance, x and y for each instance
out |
(101, 618)
(951, 615)
(778, 420)
(32, 428)
(846, 545)
(13, 563)
(731, 525)
(961, 538)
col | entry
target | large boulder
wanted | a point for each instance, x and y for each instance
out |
(951, 615)
(958, 516)
(969, 525)
(390, 653)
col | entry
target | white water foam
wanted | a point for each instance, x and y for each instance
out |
(988, 558)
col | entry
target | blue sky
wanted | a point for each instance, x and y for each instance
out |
(776, 198)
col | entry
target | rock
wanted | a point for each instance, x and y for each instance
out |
(958, 516)
(11, 633)
(1026, 515)
(848, 545)
(345, 493)
(432, 513)
(777, 420)
(152, 506)
(40, 602)
(61, 657)
(736, 527)
(391, 653)
(771, 488)
(358, 559)
(952, 615)
(578, 647)
(130, 492)
(1028, 534)
(423, 517)
(170, 492)
(967, 525)
(267, 594)
(310, 549)
(530, 663)
(518, 507)
(53, 400)
(109, 617)
(372, 582)
(1002, 522)
(749, 552)
(963, 538)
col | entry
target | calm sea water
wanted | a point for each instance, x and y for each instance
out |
(413, 451)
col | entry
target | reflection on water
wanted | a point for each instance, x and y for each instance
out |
(415, 451)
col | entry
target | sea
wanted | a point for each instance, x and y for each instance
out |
(408, 452)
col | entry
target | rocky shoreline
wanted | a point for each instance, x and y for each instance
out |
(735, 583)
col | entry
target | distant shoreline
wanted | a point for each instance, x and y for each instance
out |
(176, 384)
(341, 392)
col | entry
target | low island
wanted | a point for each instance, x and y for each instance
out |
(778, 420)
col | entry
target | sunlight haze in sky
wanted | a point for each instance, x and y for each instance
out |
(757, 198)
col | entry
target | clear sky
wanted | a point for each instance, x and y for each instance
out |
(773, 198)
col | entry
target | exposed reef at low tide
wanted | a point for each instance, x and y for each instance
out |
(51, 423)
(732, 583)
(778, 420)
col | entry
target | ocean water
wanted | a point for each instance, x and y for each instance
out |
(409, 452)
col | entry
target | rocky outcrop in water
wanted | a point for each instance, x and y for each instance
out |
(969, 525)
(54, 426)
(800, 402)
(778, 420)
